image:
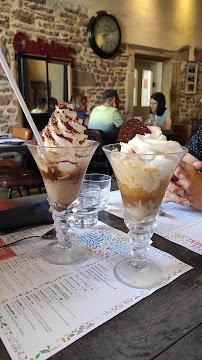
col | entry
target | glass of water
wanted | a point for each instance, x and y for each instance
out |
(86, 207)
(104, 182)
(152, 121)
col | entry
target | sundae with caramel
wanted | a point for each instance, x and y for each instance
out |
(144, 167)
(143, 163)
(62, 159)
(66, 155)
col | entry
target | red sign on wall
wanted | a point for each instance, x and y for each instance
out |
(38, 47)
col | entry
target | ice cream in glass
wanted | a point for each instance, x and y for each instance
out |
(63, 161)
(143, 162)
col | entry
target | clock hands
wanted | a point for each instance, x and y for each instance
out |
(108, 33)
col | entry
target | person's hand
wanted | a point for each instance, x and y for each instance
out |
(190, 159)
(186, 189)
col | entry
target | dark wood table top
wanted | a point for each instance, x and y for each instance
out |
(165, 325)
(12, 147)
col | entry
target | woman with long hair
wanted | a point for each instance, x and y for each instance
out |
(159, 113)
(80, 104)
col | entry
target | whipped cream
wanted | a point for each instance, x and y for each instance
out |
(145, 161)
(154, 143)
(64, 128)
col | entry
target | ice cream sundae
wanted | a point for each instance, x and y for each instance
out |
(62, 159)
(143, 163)
(66, 155)
(144, 167)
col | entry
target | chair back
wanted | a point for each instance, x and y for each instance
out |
(97, 135)
(21, 133)
(99, 161)
(40, 120)
(183, 133)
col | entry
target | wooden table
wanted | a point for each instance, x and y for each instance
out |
(164, 326)
(12, 147)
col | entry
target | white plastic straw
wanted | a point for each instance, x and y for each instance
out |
(21, 100)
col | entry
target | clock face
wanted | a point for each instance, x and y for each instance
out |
(104, 34)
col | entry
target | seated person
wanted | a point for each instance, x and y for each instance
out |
(40, 106)
(80, 105)
(53, 104)
(160, 115)
(195, 144)
(186, 187)
(106, 117)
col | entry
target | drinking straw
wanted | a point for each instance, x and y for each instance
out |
(21, 100)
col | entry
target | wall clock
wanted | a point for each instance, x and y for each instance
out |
(104, 34)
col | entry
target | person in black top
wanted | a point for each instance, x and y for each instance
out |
(186, 187)
(195, 144)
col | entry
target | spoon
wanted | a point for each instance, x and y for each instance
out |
(48, 234)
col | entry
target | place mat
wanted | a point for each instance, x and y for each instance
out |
(179, 224)
(46, 307)
(26, 215)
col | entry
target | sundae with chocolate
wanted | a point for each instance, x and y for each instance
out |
(66, 155)
(144, 167)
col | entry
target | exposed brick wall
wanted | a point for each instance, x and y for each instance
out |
(91, 74)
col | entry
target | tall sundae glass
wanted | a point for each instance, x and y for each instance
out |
(143, 167)
(63, 161)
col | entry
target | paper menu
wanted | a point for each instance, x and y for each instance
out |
(66, 302)
(180, 224)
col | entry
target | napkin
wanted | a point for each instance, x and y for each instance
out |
(24, 216)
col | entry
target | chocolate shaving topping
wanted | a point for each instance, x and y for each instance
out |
(82, 141)
(62, 105)
(69, 127)
(130, 128)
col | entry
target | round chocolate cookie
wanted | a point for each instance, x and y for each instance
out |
(130, 128)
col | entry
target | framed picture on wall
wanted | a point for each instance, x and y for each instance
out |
(191, 77)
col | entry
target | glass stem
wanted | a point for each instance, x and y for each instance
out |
(140, 239)
(62, 227)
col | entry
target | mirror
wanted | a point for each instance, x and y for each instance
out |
(44, 83)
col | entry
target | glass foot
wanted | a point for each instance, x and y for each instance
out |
(64, 254)
(142, 277)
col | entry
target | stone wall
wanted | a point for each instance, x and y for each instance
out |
(91, 74)
(186, 108)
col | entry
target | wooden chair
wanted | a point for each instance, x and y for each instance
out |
(15, 159)
(183, 133)
(19, 180)
(18, 177)
(22, 133)
(99, 162)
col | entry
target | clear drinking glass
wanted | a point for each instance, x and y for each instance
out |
(152, 121)
(87, 206)
(63, 169)
(142, 181)
(104, 182)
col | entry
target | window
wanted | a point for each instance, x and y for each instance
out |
(135, 87)
(146, 92)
